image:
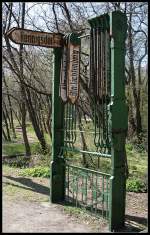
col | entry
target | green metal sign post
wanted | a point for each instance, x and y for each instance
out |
(57, 179)
(118, 119)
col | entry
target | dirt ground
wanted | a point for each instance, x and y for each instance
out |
(26, 216)
(26, 208)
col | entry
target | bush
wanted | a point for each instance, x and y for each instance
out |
(19, 162)
(135, 185)
(140, 143)
(37, 149)
(40, 171)
(129, 147)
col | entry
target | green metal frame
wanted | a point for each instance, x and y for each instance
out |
(57, 179)
(89, 189)
(116, 22)
(118, 120)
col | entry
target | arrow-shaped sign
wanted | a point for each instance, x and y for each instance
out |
(35, 38)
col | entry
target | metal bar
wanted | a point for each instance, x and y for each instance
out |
(86, 196)
(103, 196)
(69, 120)
(98, 165)
(95, 194)
(82, 188)
(92, 192)
(66, 123)
(102, 103)
(119, 120)
(68, 181)
(98, 84)
(84, 36)
(88, 152)
(71, 123)
(107, 212)
(73, 184)
(76, 191)
(69, 142)
(89, 170)
(74, 130)
(57, 192)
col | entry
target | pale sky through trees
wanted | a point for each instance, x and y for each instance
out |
(39, 16)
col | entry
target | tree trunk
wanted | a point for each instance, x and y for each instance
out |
(23, 108)
(133, 79)
(4, 135)
(10, 107)
(7, 115)
(7, 128)
(84, 146)
(48, 121)
(33, 118)
(24, 131)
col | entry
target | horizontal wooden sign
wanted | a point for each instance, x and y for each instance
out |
(35, 38)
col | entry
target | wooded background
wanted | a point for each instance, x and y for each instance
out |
(27, 71)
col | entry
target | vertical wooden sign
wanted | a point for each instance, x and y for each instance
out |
(73, 73)
(63, 78)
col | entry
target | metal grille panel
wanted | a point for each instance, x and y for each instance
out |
(89, 189)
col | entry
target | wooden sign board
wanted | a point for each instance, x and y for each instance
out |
(73, 73)
(35, 38)
(63, 79)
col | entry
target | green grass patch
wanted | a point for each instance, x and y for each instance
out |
(71, 210)
(30, 128)
(136, 185)
(137, 161)
(39, 171)
(13, 148)
(18, 148)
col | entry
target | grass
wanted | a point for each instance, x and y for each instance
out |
(137, 161)
(27, 188)
(136, 156)
(13, 148)
(40, 171)
(10, 148)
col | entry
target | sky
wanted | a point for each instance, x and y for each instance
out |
(36, 11)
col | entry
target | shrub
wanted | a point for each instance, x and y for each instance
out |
(129, 147)
(40, 171)
(37, 149)
(135, 185)
(19, 162)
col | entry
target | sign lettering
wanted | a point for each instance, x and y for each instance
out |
(35, 38)
(73, 78)
(63, 79)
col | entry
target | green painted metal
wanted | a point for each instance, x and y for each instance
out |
(76, 150)
(57, 179)
(116, 24)
(88, 188)
(100, 80)
(98, 192)
(118, 120)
